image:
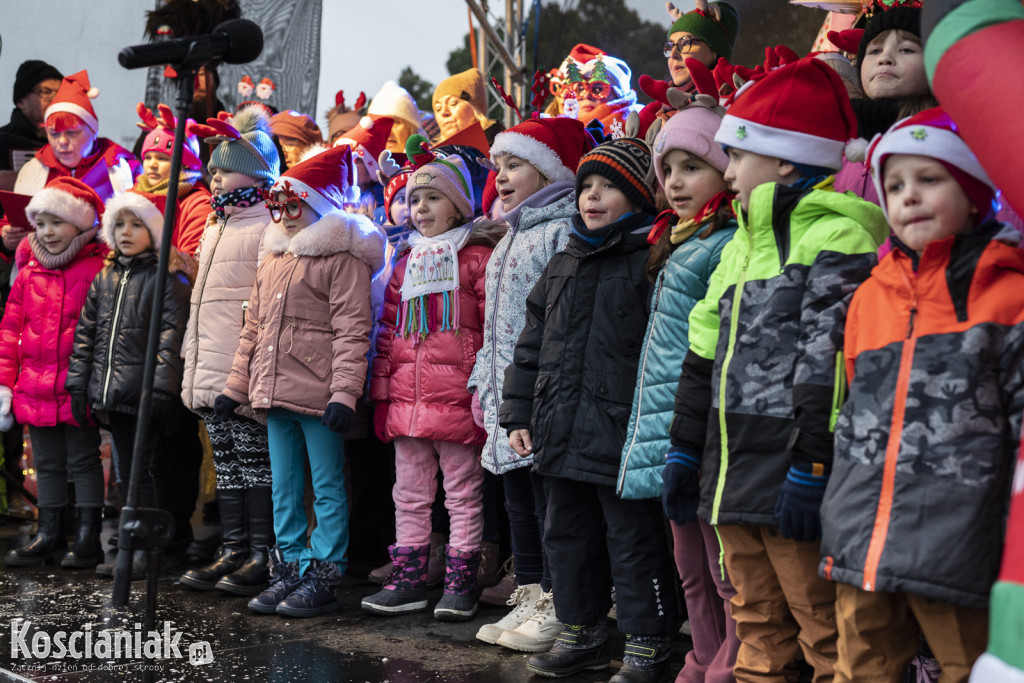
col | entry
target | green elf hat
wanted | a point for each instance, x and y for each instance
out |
(715, 23)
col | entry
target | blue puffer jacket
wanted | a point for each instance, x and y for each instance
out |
(682, 282)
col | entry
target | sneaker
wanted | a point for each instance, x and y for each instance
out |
(284, 578)
(316, 593)
(459, 601)
(538, 632)
(644, 660)
(405, 589)
(521, 601)
(577, 648)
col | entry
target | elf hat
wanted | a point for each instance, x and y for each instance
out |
(446, 174)
(393, 100)
(67, 198)
(691, 129)
(587, 58)
(148, 207)
(160, 136)
(75, 96)
(326, 181)
(716, 24)
(552, 145)
(245, 144)
(627, 163)
(799, 112)
(932, 133)
(467, 85)
(368, 140)
(294, 124)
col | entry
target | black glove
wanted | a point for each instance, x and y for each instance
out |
(224, 407)
(162, 412)
(680, 487)
(80, 409)
(799, 505)
(338, 417)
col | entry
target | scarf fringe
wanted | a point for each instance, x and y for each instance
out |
(418, 316)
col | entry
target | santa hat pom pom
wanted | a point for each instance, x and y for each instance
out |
(92, 93)
(366, 122)
(856, 149)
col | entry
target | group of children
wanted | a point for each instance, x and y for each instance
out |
(692, 323)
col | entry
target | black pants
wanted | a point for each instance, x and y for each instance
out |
(527, 505)
(122, 431)
(64, 450)
(594, 538)
(177, 472)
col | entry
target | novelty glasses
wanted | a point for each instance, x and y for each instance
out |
(291, 207)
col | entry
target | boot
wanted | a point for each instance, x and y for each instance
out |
(405, 589)
(252, 577)
(316, 592)
(284, 578)
(140, 561)
(577, 648)
(538, 631)
(645, 660)
(499, 593)
(460, 593)
(87, 550)
(435, 567)
(233, 551)
(381, 573)
(48, 543)
(490, 565)
(521, 602)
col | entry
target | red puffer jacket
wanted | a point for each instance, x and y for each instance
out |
(424, 384)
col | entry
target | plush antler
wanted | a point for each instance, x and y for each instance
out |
(702, 77)
(387, 164)
(166, 117)
(653, 88)
(673, 12)
(848, 40)
(360, 101)
(506, 98)
(217, 130)
(148, 121)
(339, 100)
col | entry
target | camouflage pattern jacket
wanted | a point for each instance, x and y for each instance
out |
(760, 386)
(924, 446)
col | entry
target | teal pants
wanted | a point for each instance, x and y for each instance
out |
(291, 437)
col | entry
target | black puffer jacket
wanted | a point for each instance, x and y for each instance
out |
(574, 369)
(111, 335)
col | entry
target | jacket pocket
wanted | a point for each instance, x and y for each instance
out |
(309, 356)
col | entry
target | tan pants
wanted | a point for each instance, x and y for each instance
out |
(879, 632)
(781, 605)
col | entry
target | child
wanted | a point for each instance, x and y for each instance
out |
(57, 263)
(106, 366)
(536, 184)
(759, 385)
(925, 445)
(429, 335)
(302, 363)
(243, 165)
(368, 141)
(687, 249)
(566, 402)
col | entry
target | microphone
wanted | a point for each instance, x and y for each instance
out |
(236, 42)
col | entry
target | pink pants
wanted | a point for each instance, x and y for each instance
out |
(416, 462)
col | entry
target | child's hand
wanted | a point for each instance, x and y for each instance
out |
(224, 407)
(519, 440)
(80, 409)
(338, 417)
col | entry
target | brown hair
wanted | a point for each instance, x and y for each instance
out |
(663, 248)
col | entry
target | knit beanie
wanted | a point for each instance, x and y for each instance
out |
(552, 145)
(67, 198)
(446, 174)
(245, 145)
(692, 130)
(719, 34)
(395, 101)
(75, 96)
(895, 18)
(30, 74)
(627, 163)
(395, 185)
(160, 135)
(294, 124)
(467, 85)
(148, 207)
(326, 181)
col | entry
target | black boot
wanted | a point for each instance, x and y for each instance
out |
(48, 543)
(645, 660)
(577, 648)
(254, 576)
(140, 560)
(87, 551)
(315, 593)
(233, 549)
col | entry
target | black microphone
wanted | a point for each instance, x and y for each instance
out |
(236, 42)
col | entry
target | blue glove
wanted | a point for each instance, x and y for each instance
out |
(338, 417)
(224, 407)
(799, 504)
(680, 486)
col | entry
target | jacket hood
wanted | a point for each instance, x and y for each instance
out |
(334, 233)
(818, 204)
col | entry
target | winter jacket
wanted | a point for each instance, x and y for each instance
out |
(228, 255)
(307, 329)
(190, 221)
(574, 370)
(113, 330)
(534, 236)
(109, 169)
(38, 329)
(682, 282)
(423, 382)
(760, 384)
(925, 444)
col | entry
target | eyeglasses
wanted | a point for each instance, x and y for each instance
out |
(589, 90)
(683, 46)
(44, 92)
(291, 207)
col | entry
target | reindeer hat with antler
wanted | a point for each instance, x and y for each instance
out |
(245, 145)
(160, 135)
(715, 23)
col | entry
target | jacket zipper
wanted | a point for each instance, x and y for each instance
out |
(416, 399)
(838, 391)
(199, 306)
(115, 322)
(494, 345)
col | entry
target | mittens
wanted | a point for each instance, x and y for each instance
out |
(799, 505)
(224, 407)
(478, 412)
(680, 486)
(338, 417)
(80, 409)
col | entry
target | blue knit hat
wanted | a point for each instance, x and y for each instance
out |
(245, 145)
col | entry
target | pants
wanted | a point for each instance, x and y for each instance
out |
(122, 431)
(527, 507)
(416, 463)
(708, 591)
(62, 450)
(240, 455)
(781, 604)
(878, 635)
(292, 438)
(179, 460)
(594, 538)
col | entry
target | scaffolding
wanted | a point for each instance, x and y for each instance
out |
(492, 49)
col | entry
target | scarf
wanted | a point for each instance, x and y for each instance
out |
(186, 181)
(243, 197)
(431, 283)
(684, 229)
(58, 261)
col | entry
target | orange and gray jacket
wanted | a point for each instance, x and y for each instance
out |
(925, 443)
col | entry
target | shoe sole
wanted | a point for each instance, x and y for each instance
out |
(80, 564)
(236, 589)
(26, 562)
(454, 614)
(262, 609)
(489, 633)
(285, 610)
(518, 646)
(562, 673)
(198, 585)
(390, 611)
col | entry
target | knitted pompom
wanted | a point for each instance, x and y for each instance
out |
(312, 151)
(856, 149)
(248, 119)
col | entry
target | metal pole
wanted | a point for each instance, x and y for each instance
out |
(495, 41)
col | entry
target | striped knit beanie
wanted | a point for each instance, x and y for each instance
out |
(627, 163)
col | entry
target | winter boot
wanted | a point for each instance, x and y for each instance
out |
(645, 660)
(460, 593)
(316, 592)
(499, 593)
(435, 567)
(87, 551)
(140, 561)
(252, 577)
(521, 601)
(538, 631)
(48, 543)
(405, 589)
(577, 648)
(381, 573)
(233, 551)
(284, 578)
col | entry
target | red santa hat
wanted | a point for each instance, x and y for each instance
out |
(75, 96)
(67, 198)
(368, 140)
(552, 145)
(148, 207)
(160, 135)
(326, 181)
(799, 112)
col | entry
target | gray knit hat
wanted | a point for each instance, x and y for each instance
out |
(245, 145)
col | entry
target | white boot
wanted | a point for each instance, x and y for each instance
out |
(538, 632)
(521, 601)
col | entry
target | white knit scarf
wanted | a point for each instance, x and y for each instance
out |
(430, 290)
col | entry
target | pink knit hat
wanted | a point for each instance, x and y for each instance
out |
(693, 130)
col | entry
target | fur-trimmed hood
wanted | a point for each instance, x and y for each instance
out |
(335, 232)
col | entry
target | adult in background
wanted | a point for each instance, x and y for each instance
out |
(35, 86)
